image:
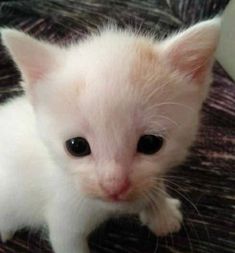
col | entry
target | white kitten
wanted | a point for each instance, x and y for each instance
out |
(101, 122)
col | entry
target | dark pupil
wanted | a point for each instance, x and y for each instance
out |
(149, 144)
(78, 146)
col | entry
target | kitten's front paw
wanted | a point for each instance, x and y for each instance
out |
(167, 219)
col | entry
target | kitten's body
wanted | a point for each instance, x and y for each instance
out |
(34, 191)
(111, 89)
(32, 179)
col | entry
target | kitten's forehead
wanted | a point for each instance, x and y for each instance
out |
(114, 74)
(104, 82)
(120, 58)
(116, 68)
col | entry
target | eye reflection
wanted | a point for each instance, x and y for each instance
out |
(78, 147)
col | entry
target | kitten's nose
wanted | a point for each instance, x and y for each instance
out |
(114, 188)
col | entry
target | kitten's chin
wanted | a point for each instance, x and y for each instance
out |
(123, 206)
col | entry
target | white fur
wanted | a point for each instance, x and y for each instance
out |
(92, 89)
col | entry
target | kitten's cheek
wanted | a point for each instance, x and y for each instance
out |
(88, 187)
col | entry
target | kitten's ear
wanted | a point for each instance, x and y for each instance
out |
(34, 58)
(192, 51)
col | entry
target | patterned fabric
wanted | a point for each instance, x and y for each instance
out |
(205, 182)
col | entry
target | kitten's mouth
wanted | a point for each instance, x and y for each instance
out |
(126, 197)
(131, 201)
(116, 199)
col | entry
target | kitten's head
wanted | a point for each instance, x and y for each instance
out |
(117, 109)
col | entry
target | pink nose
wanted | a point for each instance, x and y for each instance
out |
(115, 188)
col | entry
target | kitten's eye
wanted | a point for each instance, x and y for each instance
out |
(78, 147)
(149, 144)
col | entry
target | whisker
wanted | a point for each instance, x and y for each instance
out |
(182, 195)
(172, 238)
(169, 119)
(185, 228)
(154, 107)
(188, 237)
(153, 93)
(188, 200)
(157, 245)
(195, 231)
(150, 196)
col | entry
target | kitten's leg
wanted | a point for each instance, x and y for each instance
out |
(165, 217)
(68, 231)
(6, 236)
(64, 242)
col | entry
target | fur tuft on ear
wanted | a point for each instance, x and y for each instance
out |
(192, 51)
(34, 58)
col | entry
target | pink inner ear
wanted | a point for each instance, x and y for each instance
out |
(34, 58)
(35, 63)
(193, 62)
(192, 50)
(35, 71)
(200, 71)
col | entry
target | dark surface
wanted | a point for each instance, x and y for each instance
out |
(206, 181)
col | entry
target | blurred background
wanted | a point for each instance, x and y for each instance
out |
(205, 183)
